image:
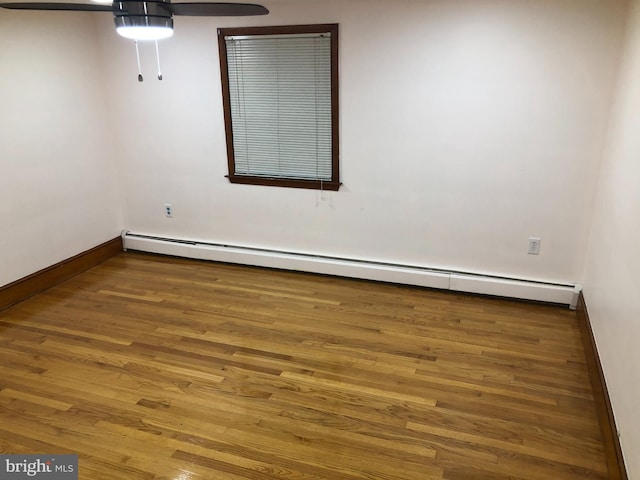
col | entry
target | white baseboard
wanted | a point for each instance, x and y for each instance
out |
(368, 270)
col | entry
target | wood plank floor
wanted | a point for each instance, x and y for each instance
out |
(159, 368)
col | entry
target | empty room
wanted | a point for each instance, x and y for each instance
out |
(320, 239)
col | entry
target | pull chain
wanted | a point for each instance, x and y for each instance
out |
(158, 61)
(140, 77)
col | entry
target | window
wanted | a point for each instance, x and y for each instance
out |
(280, 95)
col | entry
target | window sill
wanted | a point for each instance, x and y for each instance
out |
(285, 182)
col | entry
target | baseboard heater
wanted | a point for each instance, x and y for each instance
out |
(565, 294)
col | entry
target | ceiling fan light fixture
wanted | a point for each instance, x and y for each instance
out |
(145, 19)
(143, 27)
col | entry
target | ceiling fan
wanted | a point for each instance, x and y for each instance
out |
(147, 19)
(151, 19)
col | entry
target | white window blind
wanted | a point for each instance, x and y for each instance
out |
(280, 100)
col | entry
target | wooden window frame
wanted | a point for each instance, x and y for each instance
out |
(334, 183)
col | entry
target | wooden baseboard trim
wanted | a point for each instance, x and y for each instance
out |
(613, 451)
(48, 277)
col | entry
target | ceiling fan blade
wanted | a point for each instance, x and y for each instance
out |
(79, 7)
(218, 9)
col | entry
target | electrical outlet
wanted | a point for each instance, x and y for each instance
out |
(534, 246)
(168, 210)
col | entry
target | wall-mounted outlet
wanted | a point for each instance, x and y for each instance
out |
(168, 210)
(534, 246)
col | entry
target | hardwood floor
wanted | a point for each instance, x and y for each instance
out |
(160, 368)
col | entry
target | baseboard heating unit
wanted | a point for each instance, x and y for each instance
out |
(566, 294)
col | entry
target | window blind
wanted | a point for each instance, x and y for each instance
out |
(280, 101)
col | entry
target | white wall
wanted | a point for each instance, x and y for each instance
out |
(58, 191)
(466, 127)
(612, 284)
